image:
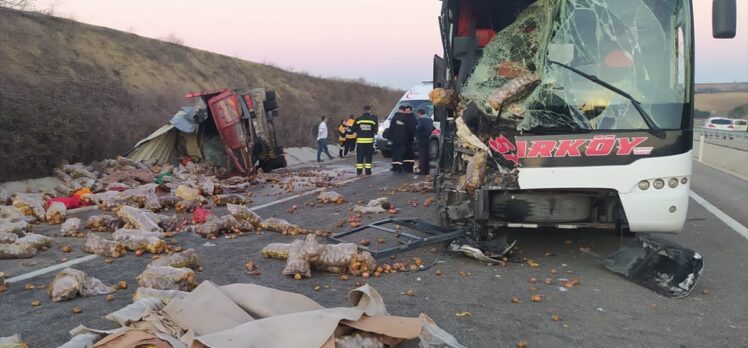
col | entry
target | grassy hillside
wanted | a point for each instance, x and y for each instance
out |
(721, 87)
(76, 92)
(720, 104)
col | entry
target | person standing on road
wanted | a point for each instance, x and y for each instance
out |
(341, 139)
(424, 128)
(409, 158)
(350, 135)
(400, 134)
(322, 139)
(365, 127)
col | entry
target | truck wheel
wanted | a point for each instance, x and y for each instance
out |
(270, 95)
(433, 149)
(270, 105)
(270, 165)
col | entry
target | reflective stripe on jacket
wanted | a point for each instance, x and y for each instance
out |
(350, 133)
(366, 127)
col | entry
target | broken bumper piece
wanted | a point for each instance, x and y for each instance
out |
(659, 265)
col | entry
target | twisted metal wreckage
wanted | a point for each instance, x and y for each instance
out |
(513, 99)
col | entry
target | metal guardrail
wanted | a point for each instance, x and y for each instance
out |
(721, 134)
(735, 140)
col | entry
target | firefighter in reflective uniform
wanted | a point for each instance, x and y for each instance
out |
(341, 138)
(401, 132)
(350, 135)
(365, 127)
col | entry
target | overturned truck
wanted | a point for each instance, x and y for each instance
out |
(565, 114)
(231, 128)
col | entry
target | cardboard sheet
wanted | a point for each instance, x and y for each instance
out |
(249, 315)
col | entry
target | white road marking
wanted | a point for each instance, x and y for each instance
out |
(49, 269)
(289, 198)
(732, 223)
(53, 268)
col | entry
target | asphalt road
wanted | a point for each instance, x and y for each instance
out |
(605, 310)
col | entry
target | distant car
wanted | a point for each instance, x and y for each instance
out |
(418, 98)
(740, 125)
(719, 123)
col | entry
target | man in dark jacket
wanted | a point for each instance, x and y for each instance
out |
(402, 129)
(365, 127)
(409, 160)
(424, 128)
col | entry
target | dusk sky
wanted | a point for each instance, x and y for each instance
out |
(388, 42)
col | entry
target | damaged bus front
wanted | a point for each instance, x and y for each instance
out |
(565, 114)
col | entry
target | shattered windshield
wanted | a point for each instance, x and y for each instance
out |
(638, 46)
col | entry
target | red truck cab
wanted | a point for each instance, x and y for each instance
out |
(244, 122)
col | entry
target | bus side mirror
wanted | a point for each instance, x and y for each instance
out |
(724, 19)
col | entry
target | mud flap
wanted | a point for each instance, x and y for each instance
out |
(659, 265)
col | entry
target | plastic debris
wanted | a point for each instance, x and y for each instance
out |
(136, 218)
(70, 283)
(187, 193)
(103, 247)
(56, 213)
(167, 278)
(332, 258)
(281, 226)
(330, 197)
(237, 225)
(276, 251)
(135, 311)
(212, 227)
(16, 227)
(185, 259)
(298, 260)
(244, 213)
(222, 200)
(12, 342)
(140, 240)
(360, 340)
(185, 206)
(8, 238)
(17, 251)
(200, 215)
(71, 227)
(104, 223)
(432, 336)
(82, 341)
(30, 205)
(375, 206)
(164, 295)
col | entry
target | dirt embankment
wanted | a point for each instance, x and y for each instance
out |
(76, 92)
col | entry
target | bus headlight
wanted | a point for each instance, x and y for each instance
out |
(684, 181)
(658, 184)
(643, 185)
(673, 182)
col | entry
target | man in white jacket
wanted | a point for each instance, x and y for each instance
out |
(322, 139)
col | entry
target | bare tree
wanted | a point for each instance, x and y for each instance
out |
(173, 38)
(17, 4)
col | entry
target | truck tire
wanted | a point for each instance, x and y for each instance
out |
(270, 95)
(270, 105)
(433, 149)
(270, 165)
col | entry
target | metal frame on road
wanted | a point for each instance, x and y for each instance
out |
(435, 233)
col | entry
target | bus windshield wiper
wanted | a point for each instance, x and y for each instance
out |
(653, 128)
